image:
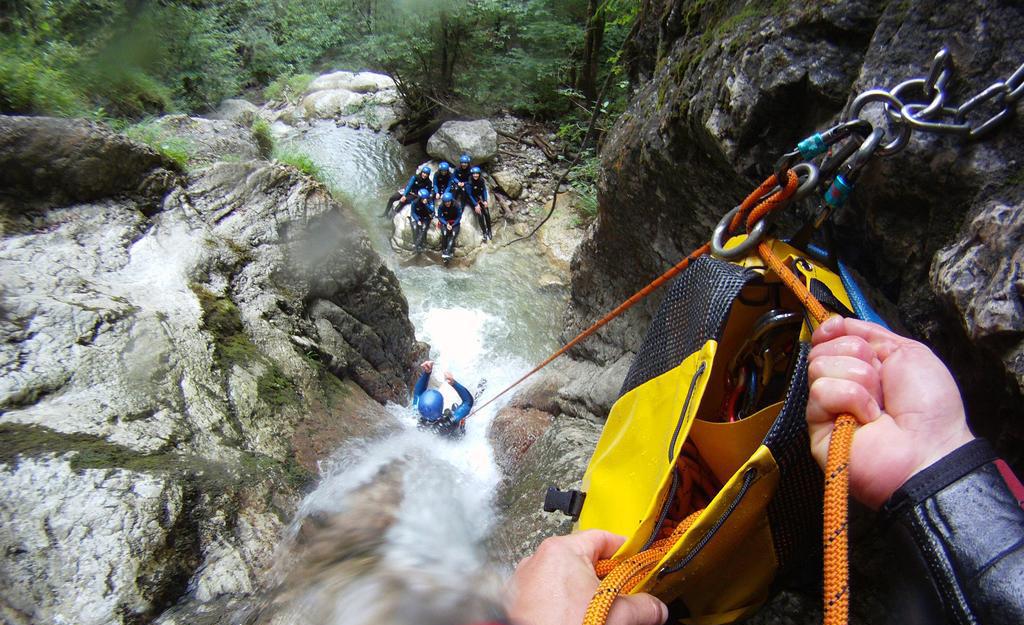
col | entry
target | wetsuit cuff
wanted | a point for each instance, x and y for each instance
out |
(939, 475)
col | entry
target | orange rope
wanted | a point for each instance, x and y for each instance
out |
(752, 206)
(837, 480)
(621, 576)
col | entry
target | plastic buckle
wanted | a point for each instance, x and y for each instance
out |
(569, 503)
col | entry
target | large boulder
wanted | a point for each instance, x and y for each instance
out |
(209, 140)
(477, 138)
(358, 82)
(357, 99)
(236, 110)
(469, 234)
(45, 159)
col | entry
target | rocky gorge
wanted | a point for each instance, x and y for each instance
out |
(182, 348)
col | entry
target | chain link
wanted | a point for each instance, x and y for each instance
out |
(921, 104)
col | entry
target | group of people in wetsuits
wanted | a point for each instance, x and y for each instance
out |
(445, 197)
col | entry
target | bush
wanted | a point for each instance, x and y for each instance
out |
(37, 80)
(261, 132)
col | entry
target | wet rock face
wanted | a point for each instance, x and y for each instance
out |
(65, 161)
(723, 91)
(168, 380)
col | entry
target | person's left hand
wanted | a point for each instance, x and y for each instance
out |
(427, 366)
(477, 209)
(554, 586)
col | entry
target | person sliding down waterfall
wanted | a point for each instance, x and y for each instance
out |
(433, 415)
(477, 189)
(442, 180)
(421, 213)
(449, 216)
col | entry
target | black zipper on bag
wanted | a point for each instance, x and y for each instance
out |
(748, 479)
(686, 405)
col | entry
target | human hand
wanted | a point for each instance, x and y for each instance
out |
(903, 396)
(449, 378)
(402, 199)
(554, 586)
(427, 366)
(477, 209)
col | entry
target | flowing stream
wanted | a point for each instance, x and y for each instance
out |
(487, 323)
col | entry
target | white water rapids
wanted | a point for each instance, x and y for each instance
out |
(487, 324)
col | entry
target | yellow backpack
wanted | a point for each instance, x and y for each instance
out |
(709, 430)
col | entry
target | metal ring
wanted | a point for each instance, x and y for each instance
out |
(753, 238)
(878, 95)
(808, 186)
(910, 116)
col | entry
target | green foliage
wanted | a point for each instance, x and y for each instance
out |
(288, 87)
(261, 132)
(178, 149)
(131, 59)
(583, 180)
(300, 161)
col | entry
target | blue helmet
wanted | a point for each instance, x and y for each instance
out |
(424, 194)
(431, 405)
(465, 159)
(475, 170)
(443, 166)
(447, 197)
(425, 170)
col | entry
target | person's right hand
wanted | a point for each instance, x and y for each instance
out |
(402, 199)
(427, 366)
(905, 399)
(554, 586)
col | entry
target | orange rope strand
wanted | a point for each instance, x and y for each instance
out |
(836, 598)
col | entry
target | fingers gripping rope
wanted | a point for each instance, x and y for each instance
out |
(837, 479)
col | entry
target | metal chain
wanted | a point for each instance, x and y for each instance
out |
(921, 104)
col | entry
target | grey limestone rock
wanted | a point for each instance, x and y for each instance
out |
(166, 389)
(477, 138)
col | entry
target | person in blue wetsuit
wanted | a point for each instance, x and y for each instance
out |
(430, 403)
(460, 180)
(449, 215)
(421, 213)
(420, 180)
(442, 180)
(479, 200)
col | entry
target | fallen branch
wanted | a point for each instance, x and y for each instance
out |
(545, 147)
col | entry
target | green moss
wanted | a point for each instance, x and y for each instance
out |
(89, 452)
(289, 471)
(288, 87)
(177, 149)
(222, 319)
(275, 389)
